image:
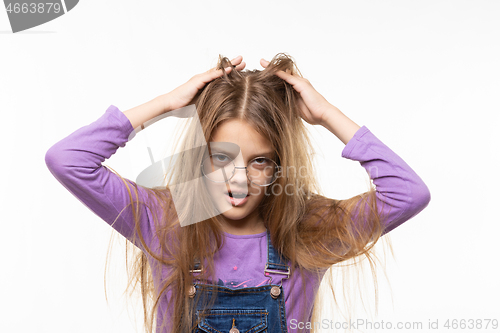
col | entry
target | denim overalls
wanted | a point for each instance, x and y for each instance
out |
(245, 310)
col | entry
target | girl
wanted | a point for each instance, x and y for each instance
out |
(240, 237)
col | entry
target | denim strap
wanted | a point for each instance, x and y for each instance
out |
(275, 262)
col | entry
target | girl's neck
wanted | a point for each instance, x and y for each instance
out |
(238, 227)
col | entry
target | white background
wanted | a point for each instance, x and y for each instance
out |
(423, 76)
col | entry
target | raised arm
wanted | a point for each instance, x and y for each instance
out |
(399, 190)
(76, 162)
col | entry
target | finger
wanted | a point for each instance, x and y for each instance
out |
(298, 83)
(234, 62)
(237, 60)
(292, 79)
(264, 62)
(240, 66)
(213, 74)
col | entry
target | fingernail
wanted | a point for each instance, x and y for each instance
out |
(227, 68)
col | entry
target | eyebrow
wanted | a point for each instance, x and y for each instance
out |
(269, 154)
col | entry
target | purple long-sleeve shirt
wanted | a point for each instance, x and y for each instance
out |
(76, 162)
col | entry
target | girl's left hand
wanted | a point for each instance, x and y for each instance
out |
(313, 106)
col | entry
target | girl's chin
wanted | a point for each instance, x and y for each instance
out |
(234, 217)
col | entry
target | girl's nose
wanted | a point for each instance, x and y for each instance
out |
(240, 176)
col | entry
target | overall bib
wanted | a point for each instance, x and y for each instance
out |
(245, 310)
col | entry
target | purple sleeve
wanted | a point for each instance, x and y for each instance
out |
(399, 189)
(76, 162)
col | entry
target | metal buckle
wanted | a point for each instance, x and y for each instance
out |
(287, 273)
(276, 272)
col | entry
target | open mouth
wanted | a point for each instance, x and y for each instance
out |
(236, 198)
(237, 195)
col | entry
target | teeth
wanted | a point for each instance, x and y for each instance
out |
(239, 195)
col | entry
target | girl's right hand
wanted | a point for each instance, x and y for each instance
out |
(184, 94)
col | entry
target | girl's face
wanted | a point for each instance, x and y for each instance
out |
(242, 144)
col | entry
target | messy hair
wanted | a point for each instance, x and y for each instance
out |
(311, 231)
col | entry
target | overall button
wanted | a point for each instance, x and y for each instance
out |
(275, 292)
(234, 329)
(192, 291)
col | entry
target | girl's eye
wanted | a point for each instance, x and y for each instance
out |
(261, 162)
(220, 159)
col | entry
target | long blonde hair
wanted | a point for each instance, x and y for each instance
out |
(312, 231)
